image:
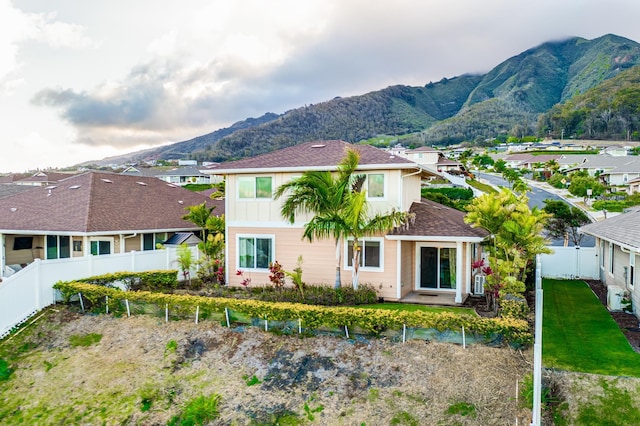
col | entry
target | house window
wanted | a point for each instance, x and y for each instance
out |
(375, 185)
(151, 241)
(611, 250)
(58, 246)
(251, 187)
(371, 250)
(100, 247)
(255, 252)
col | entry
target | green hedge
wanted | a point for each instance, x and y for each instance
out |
(161, 280)
(369, 320)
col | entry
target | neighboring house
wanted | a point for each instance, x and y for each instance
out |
(618, 246)
(93, 213)
(634, 186)
(538, 162)
(624, 173)
(141, 171)
(43, 178)
(184, 176)
(597, 164)
(431, 255)
(432, 159)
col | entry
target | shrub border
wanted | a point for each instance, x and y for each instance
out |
(514, 331)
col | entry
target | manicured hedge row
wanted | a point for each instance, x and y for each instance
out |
(369, 320)
(160, 280)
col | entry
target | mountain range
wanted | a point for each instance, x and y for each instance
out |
(509, 99)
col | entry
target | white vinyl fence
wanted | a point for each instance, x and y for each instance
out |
(570, 263)
(31, 289)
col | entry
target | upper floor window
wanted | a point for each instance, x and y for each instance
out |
(375, 185)
(250, 187)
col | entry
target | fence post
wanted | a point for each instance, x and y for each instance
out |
(537, 348)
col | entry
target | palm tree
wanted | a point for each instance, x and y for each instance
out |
(338, 203)
(324, 195)
(358, 224)
(199, 215)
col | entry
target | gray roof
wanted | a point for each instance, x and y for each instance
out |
(632, 165)
(623, 229)
(604, 162)
(182, 171)
(7, 190)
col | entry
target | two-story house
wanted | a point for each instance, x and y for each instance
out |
(430, 255)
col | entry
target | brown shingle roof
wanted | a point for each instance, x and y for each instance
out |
(313, 155)
(96, 202)
(435, 220)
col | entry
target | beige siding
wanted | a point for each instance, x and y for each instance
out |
(319, 260)
(25, 256)
(408, 267)
(399, 194)
(133, 243)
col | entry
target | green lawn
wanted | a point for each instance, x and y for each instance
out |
(414, 307)
(578, 334)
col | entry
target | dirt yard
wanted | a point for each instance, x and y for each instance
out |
(143, 371)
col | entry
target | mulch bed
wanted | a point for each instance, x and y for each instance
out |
(628, 323)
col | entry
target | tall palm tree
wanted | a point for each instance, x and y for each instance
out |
(340, 208)
(323, 194)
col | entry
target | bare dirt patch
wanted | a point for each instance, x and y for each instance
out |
(144, 370)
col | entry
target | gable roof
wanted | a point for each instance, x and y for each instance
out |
(318, 155)
(623, 229)
(45, 177)
(435, 222)
(181, 171)
(97, 202)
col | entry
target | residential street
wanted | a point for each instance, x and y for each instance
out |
(540, 192)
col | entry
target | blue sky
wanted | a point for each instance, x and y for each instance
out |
(82, 80)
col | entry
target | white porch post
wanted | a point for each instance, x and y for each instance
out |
(458, 298)
(467, 262)
(398, 269)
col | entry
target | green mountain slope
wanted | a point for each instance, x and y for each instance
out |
(610, 110)
(508, 99)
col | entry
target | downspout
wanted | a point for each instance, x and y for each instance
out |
(123, 238)
(2, 259)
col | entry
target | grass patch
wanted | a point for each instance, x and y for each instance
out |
(5, 371)
(199, 411)
(462, 408)
(615, 407)
(84, 339)
(481, 186)
(579, 334)
(409, 307)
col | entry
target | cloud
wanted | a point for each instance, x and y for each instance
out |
(17, 27)
(214, 63)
